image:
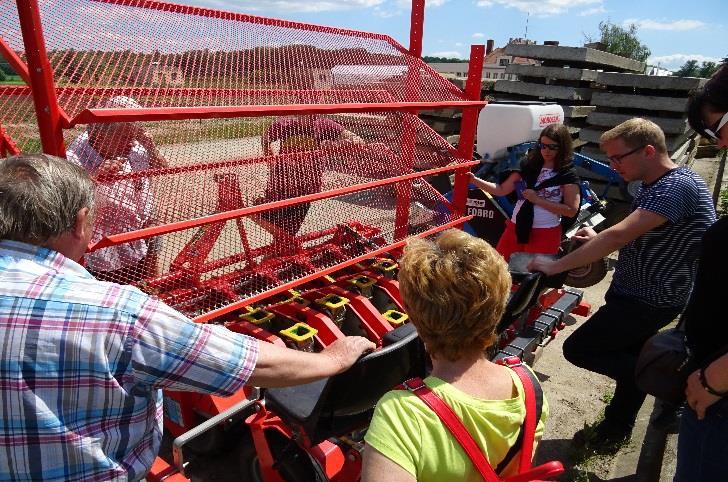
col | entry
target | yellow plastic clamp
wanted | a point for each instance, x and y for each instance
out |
(300, 332)
(257, 316)
(395, 317)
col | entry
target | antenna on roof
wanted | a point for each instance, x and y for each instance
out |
(527, 16)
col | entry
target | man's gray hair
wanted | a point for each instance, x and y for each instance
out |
(40, 197)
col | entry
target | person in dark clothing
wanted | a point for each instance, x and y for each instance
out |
(702, 452)
(658, 245)
(548, 189)
(294, 176)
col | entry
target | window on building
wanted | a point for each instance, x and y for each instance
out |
(503, 62)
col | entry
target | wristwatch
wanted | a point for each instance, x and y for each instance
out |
(708, 388)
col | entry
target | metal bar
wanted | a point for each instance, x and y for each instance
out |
(468, 126)
(194, 432)
(417, 22)
(7, 145)
(41, 79)
(88, 116)
(241, 17)
(237, 213)
(15, 61)
(323, 272)
(192, 91)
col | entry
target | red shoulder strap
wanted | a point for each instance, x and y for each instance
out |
(530, 422)
(455, 426)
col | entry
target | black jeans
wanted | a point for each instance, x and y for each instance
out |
(609, 343)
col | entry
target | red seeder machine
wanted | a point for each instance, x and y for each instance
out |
(293, 241)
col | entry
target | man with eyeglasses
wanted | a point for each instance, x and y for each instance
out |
(658, 245)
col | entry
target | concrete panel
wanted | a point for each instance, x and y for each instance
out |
(654, 82)
(557, 73)
(545, 91)
(578, 110)
(645, 102)
(575, 54)
(590, 134)
(669, 126)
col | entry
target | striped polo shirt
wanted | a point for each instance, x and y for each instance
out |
(81, 365)
(658, 268)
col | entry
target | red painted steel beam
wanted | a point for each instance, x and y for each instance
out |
(15, 61)
(238, 213)
(468, 126)
(89, 116)
(241, 17)
(417, 22)
(41, 79)
(195, 91)
(323, 272)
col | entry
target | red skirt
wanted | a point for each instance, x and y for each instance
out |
(541, 240)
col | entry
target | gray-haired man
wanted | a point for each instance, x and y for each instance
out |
(82, 361)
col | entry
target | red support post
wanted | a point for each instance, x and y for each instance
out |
(417, 23)
(41, 79)
(468, 127)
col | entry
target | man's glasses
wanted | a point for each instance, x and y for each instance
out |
(550, 147)
(618, 158)
(713, 131)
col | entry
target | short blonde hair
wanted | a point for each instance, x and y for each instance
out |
(455, 290)
(637, 132)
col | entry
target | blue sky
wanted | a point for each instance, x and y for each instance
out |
(674, 30)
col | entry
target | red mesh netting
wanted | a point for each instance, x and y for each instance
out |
(159, 183)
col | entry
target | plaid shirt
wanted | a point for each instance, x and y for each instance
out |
(81, 365)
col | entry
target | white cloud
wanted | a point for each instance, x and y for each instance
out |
(478, 35)
(447, 53)
(290, 5)
(407, 4)
(675, 61)
(459, 44)
(593, 11)
(541, 8)
(675, 25)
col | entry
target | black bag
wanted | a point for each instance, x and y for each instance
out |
(664, 365)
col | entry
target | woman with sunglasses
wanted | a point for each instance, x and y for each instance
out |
(547, 188)
(703, 439)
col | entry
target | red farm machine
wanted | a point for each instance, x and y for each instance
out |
(231, 244)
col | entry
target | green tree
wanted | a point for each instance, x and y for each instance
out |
(707, 69)
(3, 77)
(688, 69)
(691, 69)
(622, 41)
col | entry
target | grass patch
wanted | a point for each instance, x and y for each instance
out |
(215, 130)
(12, 80)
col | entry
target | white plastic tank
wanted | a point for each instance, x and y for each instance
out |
(506, 123)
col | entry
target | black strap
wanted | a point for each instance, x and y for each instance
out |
(515, 448)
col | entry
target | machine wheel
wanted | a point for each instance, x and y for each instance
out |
(588, 275)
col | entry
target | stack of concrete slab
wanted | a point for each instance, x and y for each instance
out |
(566, 76)
(446, 122)
(662, 100)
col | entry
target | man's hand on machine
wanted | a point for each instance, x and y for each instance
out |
(544, 265)
(584, 234)
(345, 351)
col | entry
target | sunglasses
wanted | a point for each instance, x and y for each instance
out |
(618, 158)
(550, 147)
(713, 131)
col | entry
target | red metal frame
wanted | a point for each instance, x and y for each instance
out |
(468, 126)
(89, 116)
(41, 79)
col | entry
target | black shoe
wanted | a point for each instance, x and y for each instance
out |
(603, 437)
